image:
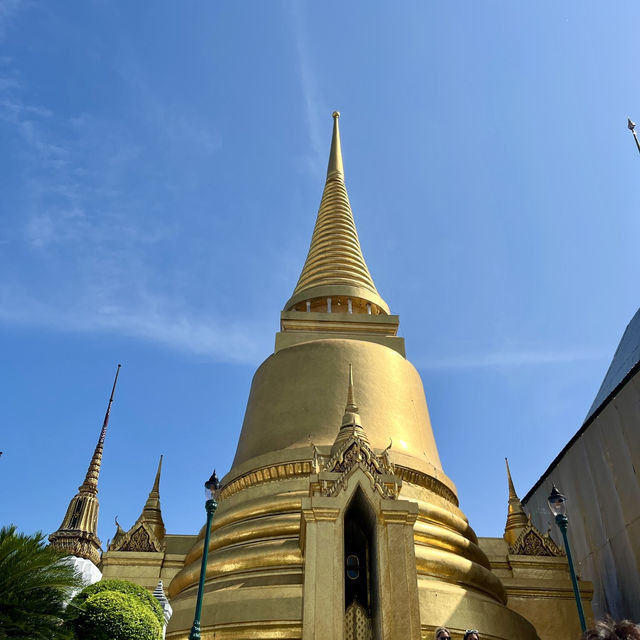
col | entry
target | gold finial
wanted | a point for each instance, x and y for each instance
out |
(151, 512)
(154, 495)
(512, 490)
(351, 402)
(335, 168)
(351, 415)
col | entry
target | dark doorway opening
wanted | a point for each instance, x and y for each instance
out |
(360, 575)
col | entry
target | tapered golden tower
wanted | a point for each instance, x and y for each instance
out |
(78, 532)
(336, 520)
(148, 531)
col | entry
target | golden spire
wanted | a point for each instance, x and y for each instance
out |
(335, 267)
(78, 532)
(151, 513)
(148, 531)
(517, 519)
(351, 412)
(351, 424)
(90, 483)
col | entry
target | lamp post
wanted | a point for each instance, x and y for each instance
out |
(558, 506)
(211, 487)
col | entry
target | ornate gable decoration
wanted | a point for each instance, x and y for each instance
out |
(531, 542)
(355, 453)
(351, 451)
(139, 538)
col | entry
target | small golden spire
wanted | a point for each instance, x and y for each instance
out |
(512, 489)
(151, 513)
(351, 412)
(351, 403)
(516, 517)
(90, 483)
(351, 424)
(153, 501)
(335, 267)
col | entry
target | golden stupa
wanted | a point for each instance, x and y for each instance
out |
(336, 520)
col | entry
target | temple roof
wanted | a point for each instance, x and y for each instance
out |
(625, 365)
(626, 358)
(335, 265)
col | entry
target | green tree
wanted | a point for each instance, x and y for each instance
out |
(35, 584)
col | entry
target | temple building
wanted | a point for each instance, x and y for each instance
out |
(337, 519)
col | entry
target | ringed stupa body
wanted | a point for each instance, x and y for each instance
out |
(336, 520)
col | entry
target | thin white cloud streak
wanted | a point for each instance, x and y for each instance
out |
(220, 339)
(73, 201)
(309, 87)
(508, 359)
(8, 10)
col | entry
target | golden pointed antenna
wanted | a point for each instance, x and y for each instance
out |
(632, 127)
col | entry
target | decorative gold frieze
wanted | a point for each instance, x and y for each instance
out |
(427, 482)
(284, 471)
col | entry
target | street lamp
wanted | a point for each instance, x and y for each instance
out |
(211, 487)
(558, 506)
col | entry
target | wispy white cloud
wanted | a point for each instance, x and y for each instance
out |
(8, 11)
(153, 319)
(509, 359)
(83, 233)
(313, 103)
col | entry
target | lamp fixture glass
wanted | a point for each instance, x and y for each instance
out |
(557, 502)
(211, 486)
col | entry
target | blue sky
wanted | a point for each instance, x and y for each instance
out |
(161, 168)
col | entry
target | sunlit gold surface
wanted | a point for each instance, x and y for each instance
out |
(276, 557)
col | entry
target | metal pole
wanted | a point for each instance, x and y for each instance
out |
(562, 522)
(210, 506)
(632, 127)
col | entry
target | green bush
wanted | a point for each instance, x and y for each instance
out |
(113, 615)
(121, 586)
